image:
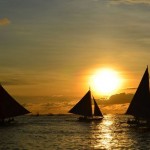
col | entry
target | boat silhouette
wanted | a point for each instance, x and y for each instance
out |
(9, 107)
(139, 107)
(84, 109)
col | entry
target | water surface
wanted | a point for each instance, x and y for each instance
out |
(65, 132)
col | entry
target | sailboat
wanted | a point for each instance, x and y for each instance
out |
(140, 104)
(9, 107)
(84, 108)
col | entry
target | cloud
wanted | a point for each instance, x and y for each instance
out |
(15, 82)
(48, 108)
(64, 107)
(19, 81)
(131, 1)
(47, 104)
(13, 76)
(4, 21)
(117, 103)
(121, 98)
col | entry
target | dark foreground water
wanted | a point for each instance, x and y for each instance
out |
(64, 132)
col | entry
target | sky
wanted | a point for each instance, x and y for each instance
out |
(50, 47)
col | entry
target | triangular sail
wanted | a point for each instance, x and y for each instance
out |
(140, 104)
(9, 107)
(84, 106)
(97, 111)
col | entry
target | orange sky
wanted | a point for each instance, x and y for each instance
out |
(51, 48)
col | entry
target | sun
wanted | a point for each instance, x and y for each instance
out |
(105, 81)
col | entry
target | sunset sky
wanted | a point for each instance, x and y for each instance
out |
(52, 47)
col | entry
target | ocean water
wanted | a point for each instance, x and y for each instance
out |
(65, 132)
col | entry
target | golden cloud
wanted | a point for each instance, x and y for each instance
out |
(4, 21)
(117, 104)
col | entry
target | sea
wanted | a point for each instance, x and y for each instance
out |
(65, 132)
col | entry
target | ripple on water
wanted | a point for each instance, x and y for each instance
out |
(64, 132)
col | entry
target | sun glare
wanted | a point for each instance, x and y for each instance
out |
(105, 81)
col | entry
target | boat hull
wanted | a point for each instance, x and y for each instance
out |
(89, 119)
(7, 122)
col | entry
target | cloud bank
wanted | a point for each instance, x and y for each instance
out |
(131, 1)
(4, 21)
(121, 98)
(117, 104)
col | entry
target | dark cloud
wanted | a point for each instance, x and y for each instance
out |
(4, 21)
(118, 99)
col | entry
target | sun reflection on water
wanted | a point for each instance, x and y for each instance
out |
(102, 134)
